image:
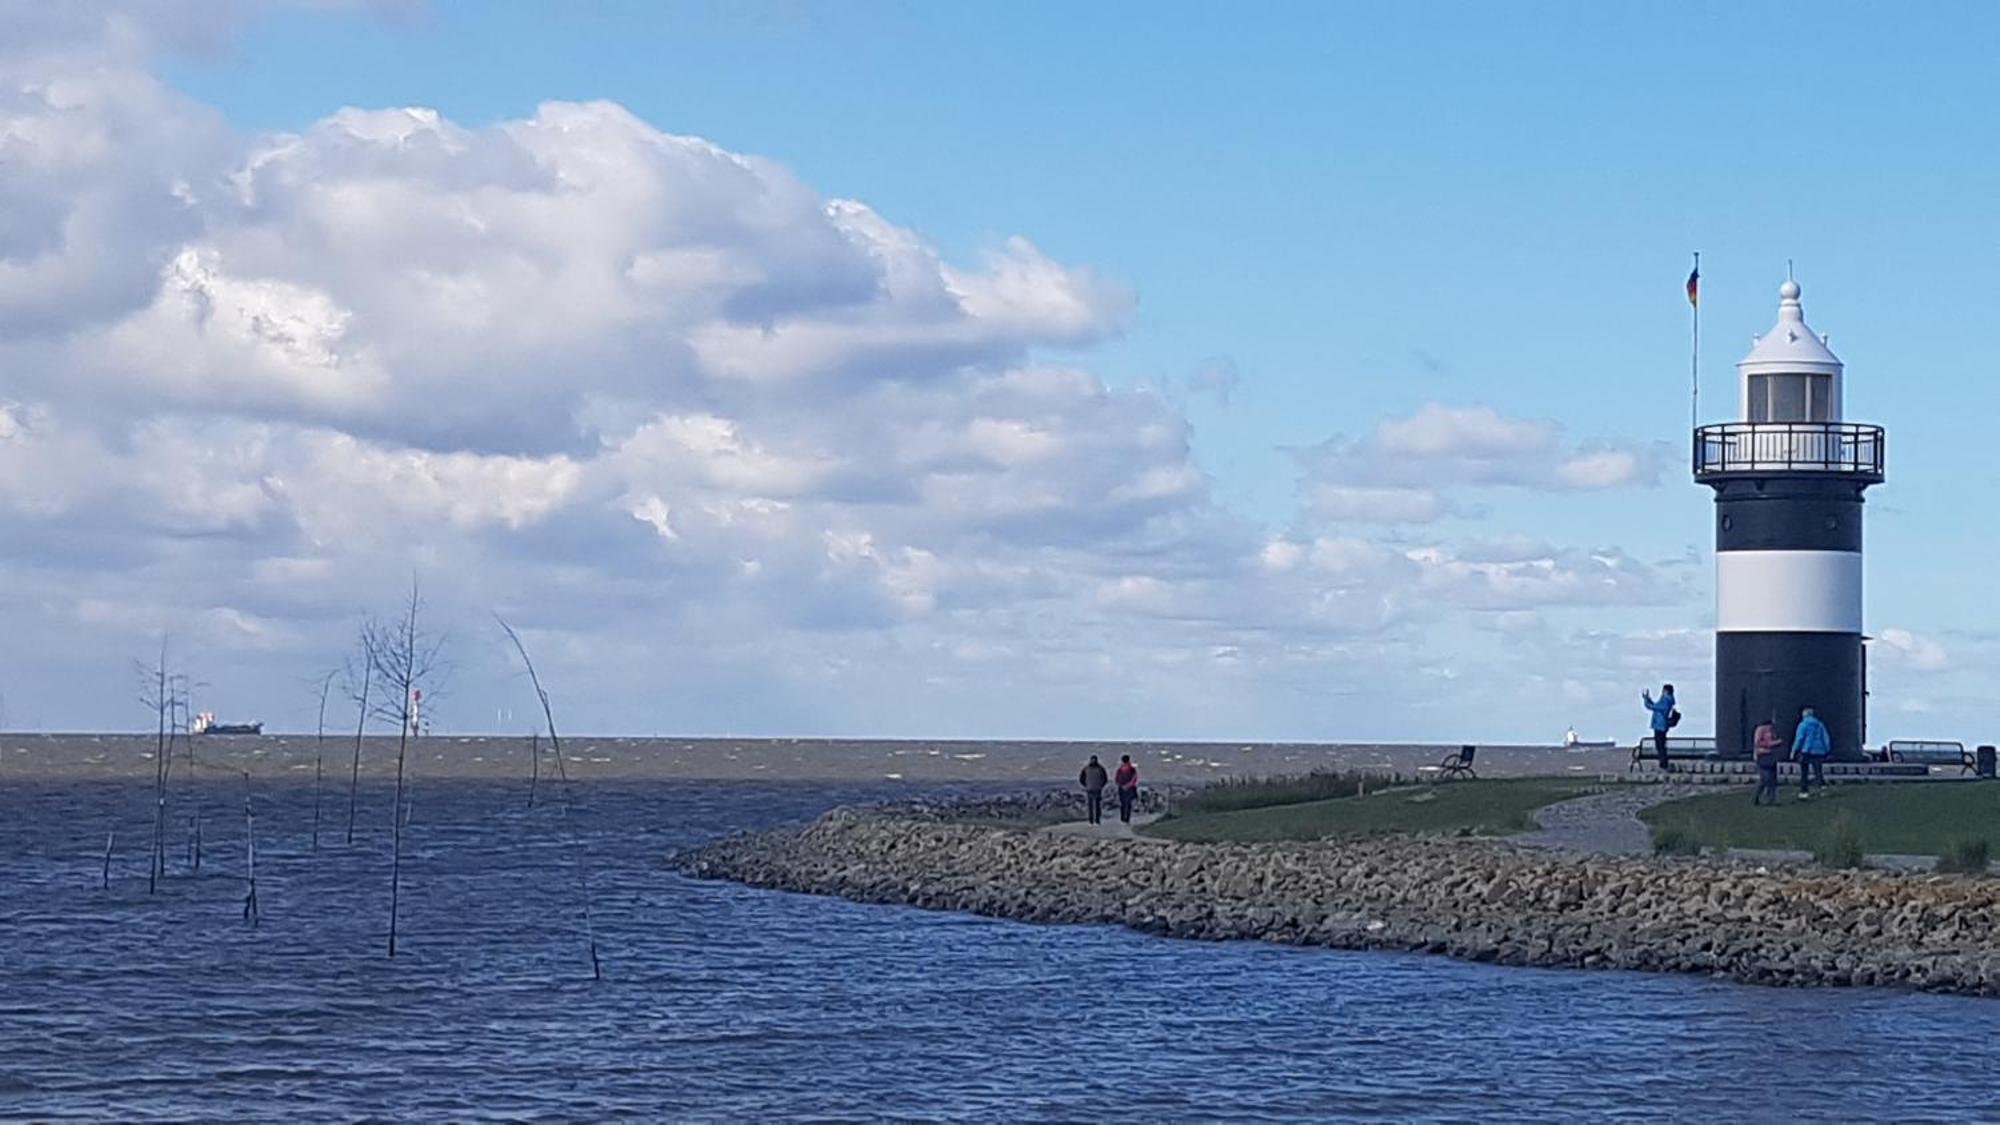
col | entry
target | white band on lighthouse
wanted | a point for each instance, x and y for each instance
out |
(1788, 591)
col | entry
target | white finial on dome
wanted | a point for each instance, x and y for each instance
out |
(1789, 347)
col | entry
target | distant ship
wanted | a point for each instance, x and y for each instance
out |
(204, 723)
(1572, 742)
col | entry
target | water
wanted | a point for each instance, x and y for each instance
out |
(725, 1003)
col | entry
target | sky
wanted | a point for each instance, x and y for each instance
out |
(1311, 372)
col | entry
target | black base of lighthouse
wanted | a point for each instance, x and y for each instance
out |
(1764, 676)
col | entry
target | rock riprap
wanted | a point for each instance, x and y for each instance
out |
(1484, 900)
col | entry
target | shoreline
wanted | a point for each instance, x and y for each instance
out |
(914, 761)
(1476, 899)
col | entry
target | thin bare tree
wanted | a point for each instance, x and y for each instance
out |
(319, 751)
(156, 692)
(180, 725)
(359, 679)
(562, 774)
(404, 661)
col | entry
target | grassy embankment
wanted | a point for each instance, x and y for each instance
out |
(1934, 818)
(1284, 808)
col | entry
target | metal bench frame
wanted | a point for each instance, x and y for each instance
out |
(1691, 749)
(1459, 764)
(1965, 762)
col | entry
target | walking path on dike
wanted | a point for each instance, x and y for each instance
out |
(1604, 823)
(1110, 829)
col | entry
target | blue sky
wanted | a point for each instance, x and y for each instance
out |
(1358, 212)
(1360, 206)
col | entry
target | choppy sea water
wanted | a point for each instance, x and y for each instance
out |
(725, 1003)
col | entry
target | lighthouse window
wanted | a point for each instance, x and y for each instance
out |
(1790, 398)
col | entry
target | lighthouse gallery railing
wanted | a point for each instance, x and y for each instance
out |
(1788, 447)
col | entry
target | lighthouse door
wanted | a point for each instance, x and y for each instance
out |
(1759, 700)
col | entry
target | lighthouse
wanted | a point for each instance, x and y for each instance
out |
(1788, 479)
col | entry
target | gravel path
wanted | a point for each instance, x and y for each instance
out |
(1109, 828)
(1604, 823)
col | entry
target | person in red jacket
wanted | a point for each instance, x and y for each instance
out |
(1767, 744)
(1127, 780)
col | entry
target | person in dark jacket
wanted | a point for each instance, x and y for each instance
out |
(1663, 719)
(1127, 780)
(1093, 779)
(1767, 744)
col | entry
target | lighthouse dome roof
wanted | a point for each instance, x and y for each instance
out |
(1790, 346)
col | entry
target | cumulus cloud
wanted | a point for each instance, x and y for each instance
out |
(731, 451)
(1404, 469)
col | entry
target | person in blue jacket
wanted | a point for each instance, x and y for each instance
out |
(1811, 745)
(1664, 717)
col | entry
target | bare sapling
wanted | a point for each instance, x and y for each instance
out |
(179, 722)
(358, 683)
(155, 692)
(180, 725)
(562, 776)
(319, 774)
(404, 661)
(319, 754)
(534, 765)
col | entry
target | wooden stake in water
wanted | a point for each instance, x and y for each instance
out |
(108, 837)
(250, 855)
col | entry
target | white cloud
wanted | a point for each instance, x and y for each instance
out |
(1375, 504)
(738, 455)
(1903, 647)
(1404, 469)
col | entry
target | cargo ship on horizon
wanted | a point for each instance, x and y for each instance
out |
(204, 723)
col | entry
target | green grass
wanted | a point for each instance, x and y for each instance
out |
(1486, 808)
(1232, 793)
(1967, 855)
(1839, 843)
(1676, 839)
(1917, 818)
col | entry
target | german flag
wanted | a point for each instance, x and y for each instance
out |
(1694, 286)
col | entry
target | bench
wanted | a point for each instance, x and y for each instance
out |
(1678, 749)
(1457, 765)
(1929, 752)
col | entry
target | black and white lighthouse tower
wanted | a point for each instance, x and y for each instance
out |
(1788, 481)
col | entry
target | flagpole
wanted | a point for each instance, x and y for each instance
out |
(1694, 357)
